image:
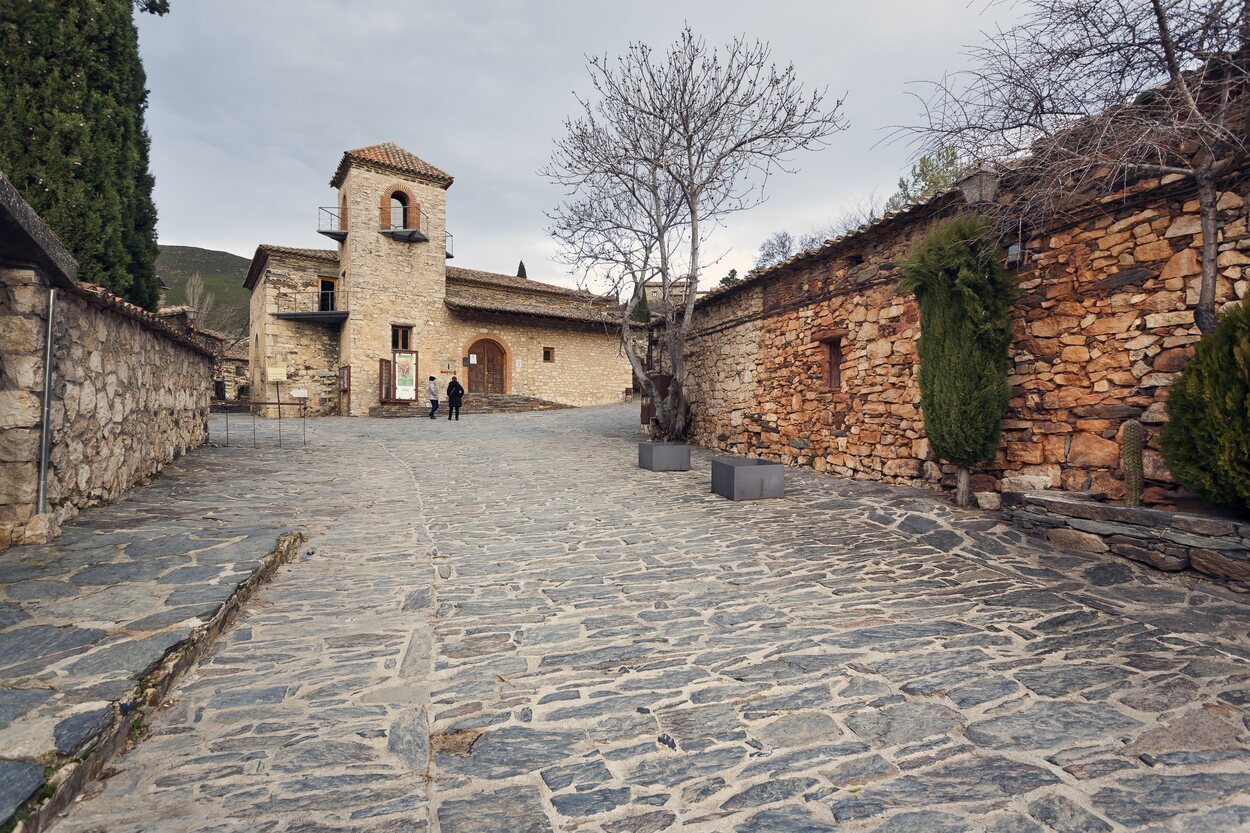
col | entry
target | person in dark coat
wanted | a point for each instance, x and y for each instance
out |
(455, 395)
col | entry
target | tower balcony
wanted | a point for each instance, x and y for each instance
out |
(402, 223)
(319, 306)
(394, 223)
(332, 222)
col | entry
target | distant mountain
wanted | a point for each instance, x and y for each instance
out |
(222, 274)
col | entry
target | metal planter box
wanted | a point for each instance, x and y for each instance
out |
(742, 479)
(664, 456)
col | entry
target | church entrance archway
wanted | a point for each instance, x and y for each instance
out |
(486, 367)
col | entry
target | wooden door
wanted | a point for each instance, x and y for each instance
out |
(486, 375)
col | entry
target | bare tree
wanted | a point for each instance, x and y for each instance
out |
(667, 146)
(777, 247)
(208, 315)
(1083, 98)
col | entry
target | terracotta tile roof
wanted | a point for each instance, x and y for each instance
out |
(389, 156)
(328, 255)
(469, 290)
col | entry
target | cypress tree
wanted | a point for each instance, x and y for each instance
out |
(642, 310)
(1206, 441)
(72, 136)
(965, 297)
(520, 270)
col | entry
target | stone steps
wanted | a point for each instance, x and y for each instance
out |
(474, 403)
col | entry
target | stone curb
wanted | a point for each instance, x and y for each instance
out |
(72, 774)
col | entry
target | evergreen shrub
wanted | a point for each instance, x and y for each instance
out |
(1206, 441)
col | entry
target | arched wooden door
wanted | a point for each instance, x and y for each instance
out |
(487, 375)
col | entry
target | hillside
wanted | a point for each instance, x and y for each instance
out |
(222, 274)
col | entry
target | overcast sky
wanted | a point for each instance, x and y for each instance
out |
(252, 104)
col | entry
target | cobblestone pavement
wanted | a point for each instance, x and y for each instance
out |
(82, 619)
(504, 625)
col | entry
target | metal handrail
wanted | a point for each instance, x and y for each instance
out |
(332, 218)
(407, 218)
(313, 300)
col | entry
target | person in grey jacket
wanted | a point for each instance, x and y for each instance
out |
(431, 390)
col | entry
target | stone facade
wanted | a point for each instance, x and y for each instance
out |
(1104, 323)
(382, 282)
(128, 396)
(309, 350)
(232, 372)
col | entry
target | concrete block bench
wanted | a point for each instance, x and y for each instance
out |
(664, 456)
(747, 479)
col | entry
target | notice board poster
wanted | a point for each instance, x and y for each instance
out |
(405, 375)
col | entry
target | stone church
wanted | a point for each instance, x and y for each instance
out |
(360, 327)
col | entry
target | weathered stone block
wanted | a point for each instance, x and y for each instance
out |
(989, 501)
(1183, 225)
(1073, 539)
(1153, 251)
(1092, 451)
(1024, 483)
(1230, 565)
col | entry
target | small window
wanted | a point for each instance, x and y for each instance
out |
(549, 354)
(401, 338)
(832, 349)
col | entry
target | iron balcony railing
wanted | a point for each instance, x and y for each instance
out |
(312, 300)
(332, 218)
(397, 221)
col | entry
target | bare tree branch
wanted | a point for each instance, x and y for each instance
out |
(1083, 98)
(666, 147)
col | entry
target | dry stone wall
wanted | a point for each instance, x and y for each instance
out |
(128, 396)
(1104, 324)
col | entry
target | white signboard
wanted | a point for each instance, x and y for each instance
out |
(405, 375)
(276, 373)
(518, 364)
(473, 358)
(299, 393)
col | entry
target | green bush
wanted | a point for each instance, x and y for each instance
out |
(965, 296)
(1206, 441)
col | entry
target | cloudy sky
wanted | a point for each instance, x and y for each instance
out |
(252, 104)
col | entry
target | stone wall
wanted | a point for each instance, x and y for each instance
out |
(1166, 540)
(129, 394)
(1104, 322)
(235, 376)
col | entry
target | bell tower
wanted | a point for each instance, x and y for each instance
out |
(393, 248)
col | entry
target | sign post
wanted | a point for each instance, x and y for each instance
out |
(276, 373)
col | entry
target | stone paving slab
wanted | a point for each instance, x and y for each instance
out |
(507, 626)
(83, 619)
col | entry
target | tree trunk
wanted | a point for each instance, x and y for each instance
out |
(1204, 313)
(963, 486)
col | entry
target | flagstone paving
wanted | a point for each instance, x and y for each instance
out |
(503, 625)
(84, 618)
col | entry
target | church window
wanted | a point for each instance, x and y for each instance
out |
(549, 354)
(399, 211)
(401, 338)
